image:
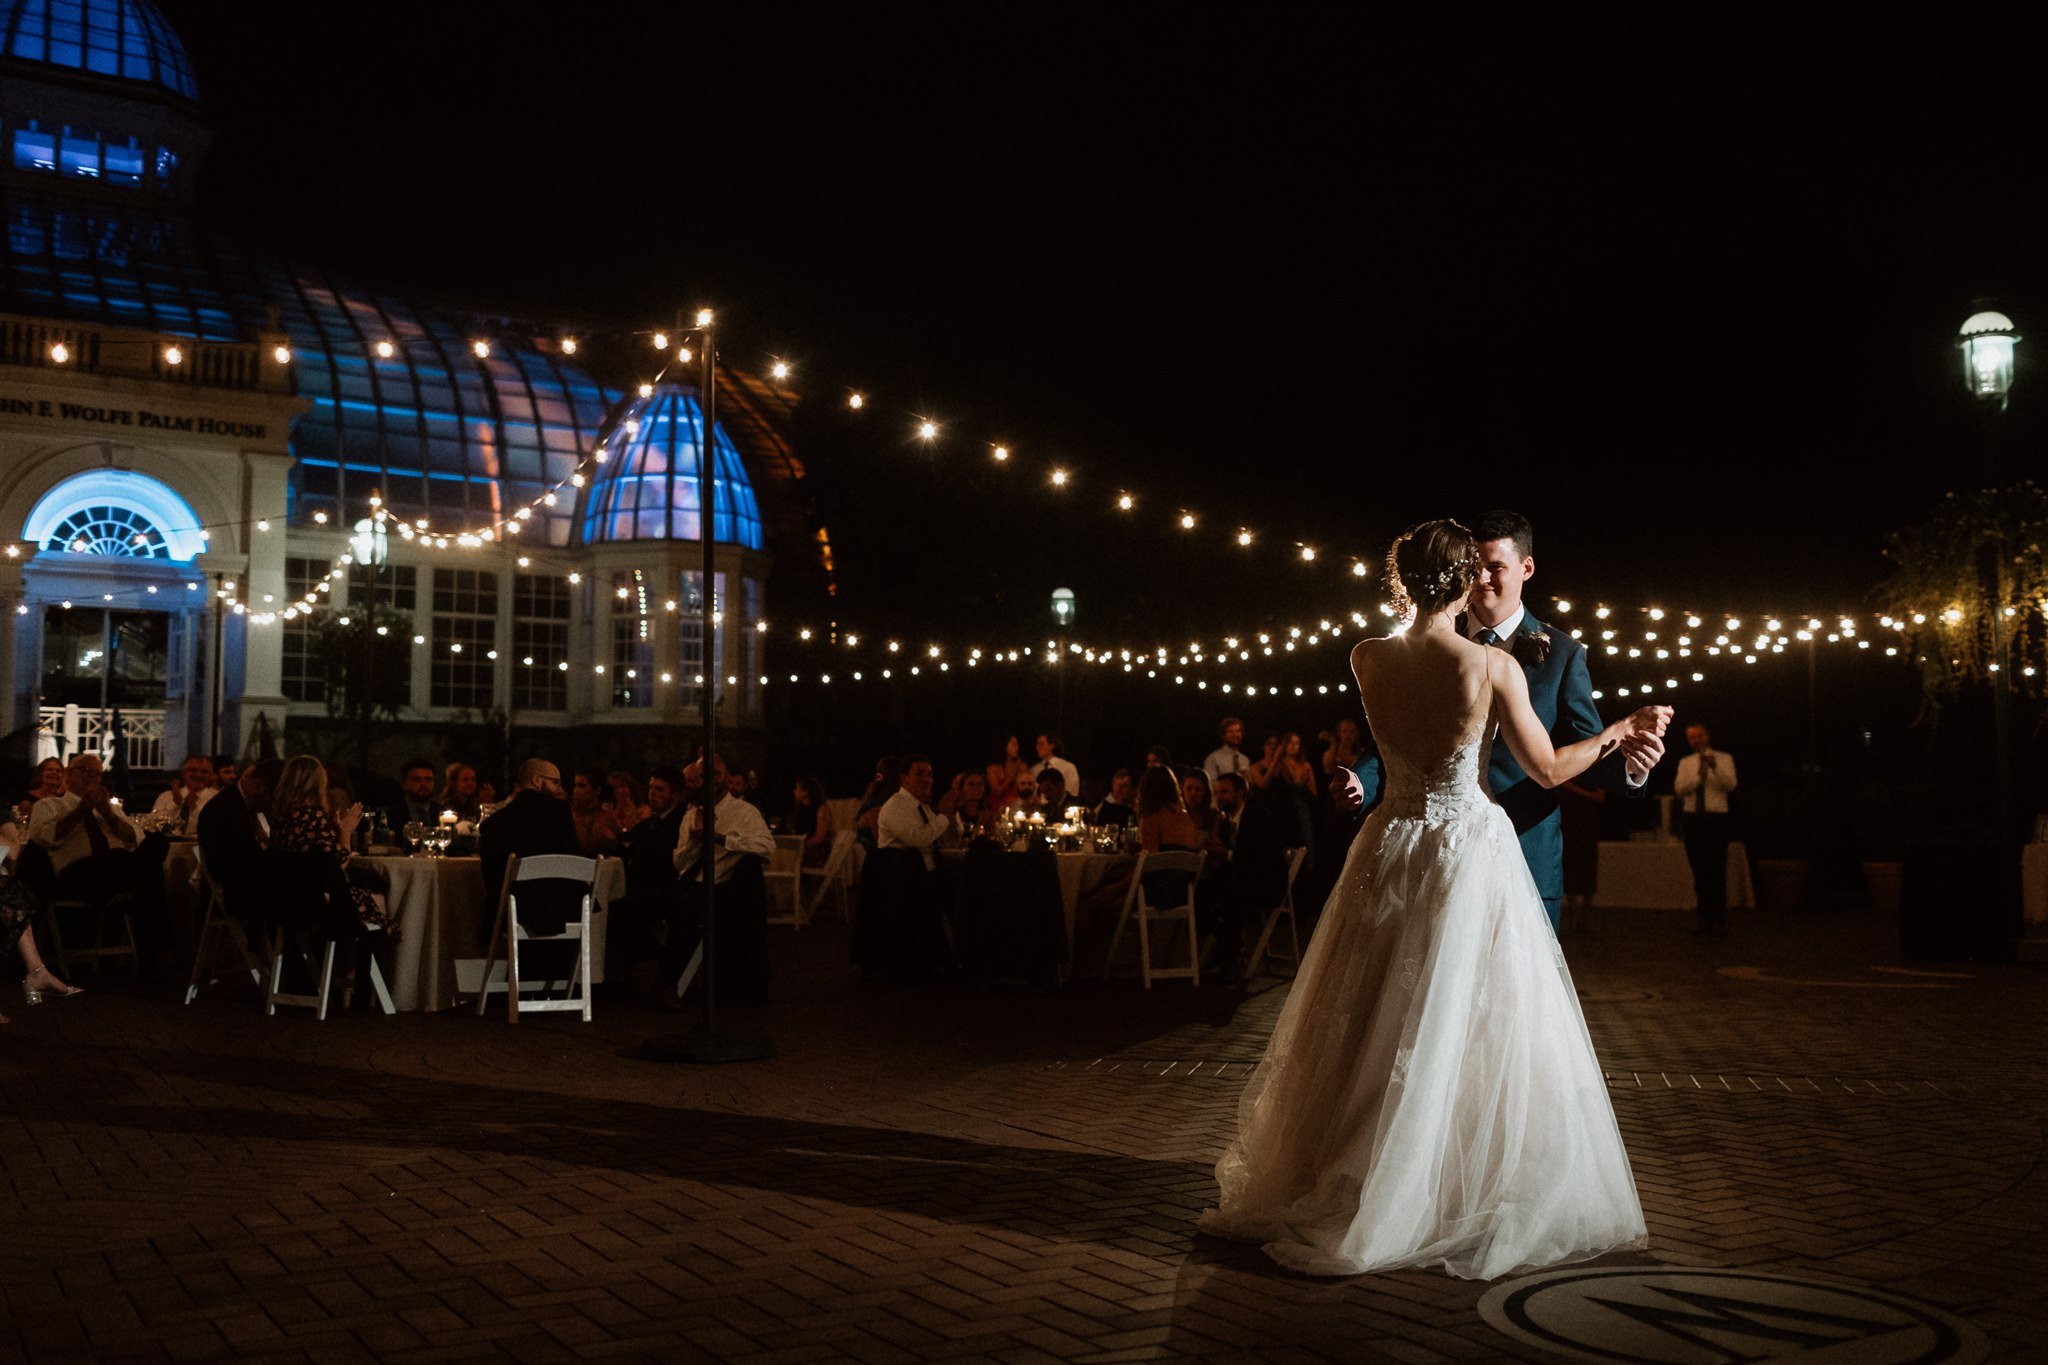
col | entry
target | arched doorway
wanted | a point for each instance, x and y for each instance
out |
(112, 608)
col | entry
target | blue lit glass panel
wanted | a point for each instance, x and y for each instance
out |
(34, 151)
(124, 165)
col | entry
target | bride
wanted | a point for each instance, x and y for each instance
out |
(1430, 1094)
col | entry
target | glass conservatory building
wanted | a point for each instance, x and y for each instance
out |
(191, 433)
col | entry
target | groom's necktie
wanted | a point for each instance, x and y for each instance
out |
(1487, 637)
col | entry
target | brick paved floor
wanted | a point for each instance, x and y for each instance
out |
(942, 1175)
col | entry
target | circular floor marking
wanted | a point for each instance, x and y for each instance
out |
(1707, 1317)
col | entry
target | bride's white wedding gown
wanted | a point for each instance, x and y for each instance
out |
(1430, 1094)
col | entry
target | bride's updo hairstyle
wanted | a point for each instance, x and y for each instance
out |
(1431, 566)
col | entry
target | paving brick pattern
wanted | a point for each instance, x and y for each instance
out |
(938, 1174)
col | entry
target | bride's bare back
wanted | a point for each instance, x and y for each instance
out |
(1426, 694)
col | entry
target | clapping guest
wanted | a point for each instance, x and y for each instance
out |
(177, 810)
(1002, 773)
(627, 808)
(810, 818)
(300, 822)
(597, 831)
(49, 782)
(90, 842)
(459, 792)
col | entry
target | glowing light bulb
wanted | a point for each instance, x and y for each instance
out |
(1001, 453)
(60, 353)
(482, 349)
(856, 401)
(174, 355)
(1059, 478)
(281, 354)
(1244, 537)
(568, 345)
(661, 341)
(927, 430)
(1308, 553)
(1358, 569)
(647, 390)
(780, 369)
(682, 355)
(1125, 502)
(703, 317)
(385, 350)
(1187, 521)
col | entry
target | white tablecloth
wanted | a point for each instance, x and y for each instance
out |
(437, 906)
(1640, 875)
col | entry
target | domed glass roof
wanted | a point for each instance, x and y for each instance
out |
(433, 428)
(124, 39)
(647, 487)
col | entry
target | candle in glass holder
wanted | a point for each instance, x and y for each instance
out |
(448, 817)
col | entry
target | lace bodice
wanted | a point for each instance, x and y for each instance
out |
(1452, 789)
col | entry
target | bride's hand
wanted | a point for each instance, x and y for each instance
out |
(1649, 720)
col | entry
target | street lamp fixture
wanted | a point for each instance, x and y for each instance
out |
(1063, 606)
(1988, 341)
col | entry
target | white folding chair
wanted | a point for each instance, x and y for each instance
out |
(101, 949)
(784, 878)
(274, 994)
(1295, 858)
(831, 877)
(508, 929)
(1138, 903)
(217, 921)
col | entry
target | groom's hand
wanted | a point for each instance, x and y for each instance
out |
(1347, 791)
(1640, 753)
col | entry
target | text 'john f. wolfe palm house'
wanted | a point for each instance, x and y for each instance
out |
(193, 434)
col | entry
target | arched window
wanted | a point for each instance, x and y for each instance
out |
(119, 531)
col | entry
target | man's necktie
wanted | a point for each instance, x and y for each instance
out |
(1699, 795)
(1487, 637)
(923, 815)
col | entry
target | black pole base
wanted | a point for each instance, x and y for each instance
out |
(706, 1046)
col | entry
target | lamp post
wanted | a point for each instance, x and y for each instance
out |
(1987, 341)
(1063, 608)
(371, 546)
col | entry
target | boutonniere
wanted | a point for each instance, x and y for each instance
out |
(1531, 647)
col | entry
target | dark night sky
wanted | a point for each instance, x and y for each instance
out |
(1681, 283)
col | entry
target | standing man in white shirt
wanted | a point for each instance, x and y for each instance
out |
(177, 810)
(907, 819)
(738, 833)
(1228, 757)
(1705, 777)
(1049, 757)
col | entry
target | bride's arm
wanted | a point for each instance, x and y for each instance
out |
(1530, 743)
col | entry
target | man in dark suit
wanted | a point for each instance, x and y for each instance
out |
(649, 851)
(1250, 879)
(231, 842)
(1560, 691)
(415, 804)
(536, 820)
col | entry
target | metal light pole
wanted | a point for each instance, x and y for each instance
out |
(371, 547)
(706, 1043)
(1987, 341)
(1063, 609)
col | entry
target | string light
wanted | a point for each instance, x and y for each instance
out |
(385, 350)
(1001, 453)
(482, 349)
(856, 400)
(927, 430)
(59, 353)
(780, 369)
(1125, 502)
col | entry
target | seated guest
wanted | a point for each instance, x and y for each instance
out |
(177, 810)
(1164, 826)
(1194, 795)
(627, 808)
(49, 782)
(906, 820)
(1159, 756)
(1053, 794)
(737, 833)
(231, 841)
(458, 792)
(968, 809)
(809, 817)
(415, 804)
(1253, 874)
(19, 906)
(536, 820)
(597, 832)
(90, 842)
(879, 791)
(225, 771)
(1025, 800)
(1117, 808)
(300, 822)
(648, 848)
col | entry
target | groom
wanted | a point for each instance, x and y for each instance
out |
(1560, 690)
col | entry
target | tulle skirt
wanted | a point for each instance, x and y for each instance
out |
(1430, 1096)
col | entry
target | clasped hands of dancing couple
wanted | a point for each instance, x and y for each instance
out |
(1430, 1095)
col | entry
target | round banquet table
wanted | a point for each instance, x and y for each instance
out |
(1079, 873)
(437, 906)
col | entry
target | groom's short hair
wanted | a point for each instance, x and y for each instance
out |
(1501, 524)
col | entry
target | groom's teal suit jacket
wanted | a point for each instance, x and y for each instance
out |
(1561, 691)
